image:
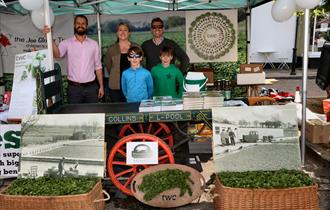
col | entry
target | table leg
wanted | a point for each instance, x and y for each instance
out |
(252, 91)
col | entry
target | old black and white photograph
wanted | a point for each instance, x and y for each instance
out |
(62, 145)
(255, 138)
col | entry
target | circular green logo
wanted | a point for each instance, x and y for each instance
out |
(211, 35)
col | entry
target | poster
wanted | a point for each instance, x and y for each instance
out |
(62, 145)
(19, 35)
(10, 139)
(142, 153)
(24, 95)
(211, 36)
(255, 138)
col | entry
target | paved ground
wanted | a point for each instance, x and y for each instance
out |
(287, 82)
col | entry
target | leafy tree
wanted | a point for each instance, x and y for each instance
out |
(174, 21)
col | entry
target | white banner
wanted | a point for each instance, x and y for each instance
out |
(19, 35)
(10, 139)
(211, 36)
(24, 97)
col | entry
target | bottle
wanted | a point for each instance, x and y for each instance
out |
(227, 90)
(297, 95)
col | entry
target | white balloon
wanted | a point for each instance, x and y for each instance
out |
(31, 4)
(307, 4)
(38, 17)
(282, 10)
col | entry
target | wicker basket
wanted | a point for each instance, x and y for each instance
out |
(300, 198)
(89, 201)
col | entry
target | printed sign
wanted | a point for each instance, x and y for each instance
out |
(124, 118)
(170, 116)
(255, 138)
(10, 139)
(142, 153)
(60, 145)
(24, 95)
(211, 36)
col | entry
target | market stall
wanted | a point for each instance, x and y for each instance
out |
(125, 124)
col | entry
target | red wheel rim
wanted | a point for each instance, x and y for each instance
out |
(121, 174)
(160, 130)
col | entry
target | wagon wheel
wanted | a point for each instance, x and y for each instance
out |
(121, 174)
(160, 130)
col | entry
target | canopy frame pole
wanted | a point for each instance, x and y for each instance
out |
(304, 85)
(98, 19)
(49, 36)
(248, 31)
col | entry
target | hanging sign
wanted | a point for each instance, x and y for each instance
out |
(211, 35)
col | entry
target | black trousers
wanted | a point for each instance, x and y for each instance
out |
(83, 94)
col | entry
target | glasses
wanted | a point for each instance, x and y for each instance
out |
(157, 26)
(134, 56)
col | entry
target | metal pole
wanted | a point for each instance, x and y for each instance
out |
(248, 32)
(294, 50)
(304, 85)
(99, 31)
(314, 29)
(49, 36)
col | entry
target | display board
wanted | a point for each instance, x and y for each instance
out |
(10, 140)
(255, 138)
(62, 145)
(24, 95)
(270, 38)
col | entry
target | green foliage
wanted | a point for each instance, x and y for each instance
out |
(265, 179)
(174, 21)
(160, 181)
(8, 80)
(35, 67)
(47, 186)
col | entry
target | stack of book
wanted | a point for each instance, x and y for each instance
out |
(161, 103)
(213, 99)
(192, 100)
(147, 106)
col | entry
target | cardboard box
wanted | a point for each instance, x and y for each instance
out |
(251, 79)
(317, 132)
(251, 68)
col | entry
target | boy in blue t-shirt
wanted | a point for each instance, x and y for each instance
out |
(136, 81)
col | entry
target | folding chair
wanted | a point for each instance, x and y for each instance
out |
(51, 90)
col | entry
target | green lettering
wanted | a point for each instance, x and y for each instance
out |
(13, 139)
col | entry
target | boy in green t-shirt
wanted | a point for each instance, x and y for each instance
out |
(167, 77)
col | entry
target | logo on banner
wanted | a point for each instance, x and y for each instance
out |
(211, 35)
(4, 42)
(142, 153)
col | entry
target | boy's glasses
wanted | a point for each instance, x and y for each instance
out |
(157, 26)
(134, 56)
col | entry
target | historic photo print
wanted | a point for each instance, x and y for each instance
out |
(255, 138)
(62, 145)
